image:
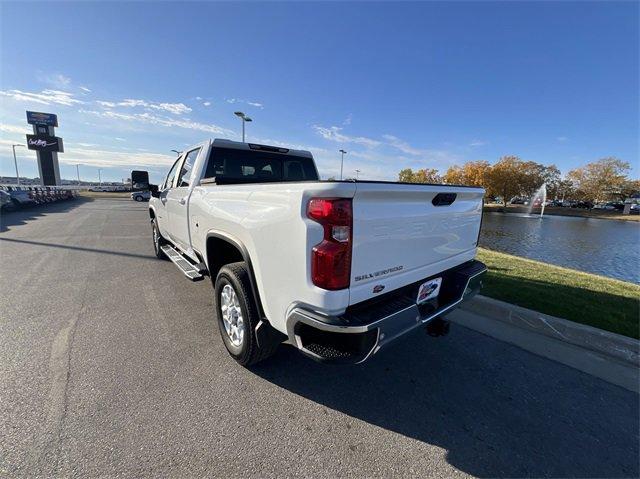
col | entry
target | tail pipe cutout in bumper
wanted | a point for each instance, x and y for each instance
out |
(367, 327)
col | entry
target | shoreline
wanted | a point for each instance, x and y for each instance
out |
(586, 298)
(561, 211)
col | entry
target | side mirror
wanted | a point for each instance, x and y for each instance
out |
(154, 191)
(139, 180)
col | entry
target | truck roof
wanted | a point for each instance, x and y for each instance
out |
(239, 145)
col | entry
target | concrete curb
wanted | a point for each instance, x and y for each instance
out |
(615, 346)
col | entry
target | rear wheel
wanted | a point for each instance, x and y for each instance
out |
(238, 317)
(158, 240)
(138, 198)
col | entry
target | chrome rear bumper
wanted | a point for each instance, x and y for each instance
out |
(366, 328)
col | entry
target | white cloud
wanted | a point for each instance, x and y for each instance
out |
(333, 133)
(250, 103)
(85, 89)
(207, 103)
(19, 129)
(562, 138)
(476, 143)
(119, 139)
(57, 80)
(162, 121)
(45, 97)
(121, 159)
(403, 146)
(174, 108)
(348, 119)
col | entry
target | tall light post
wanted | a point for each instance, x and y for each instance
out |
(342, 162)
(100, 176)
(78, 172)
(15, 161)
(357, 173)
(244, 119)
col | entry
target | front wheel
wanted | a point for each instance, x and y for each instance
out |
(138, 198)
(237, 315)
(158, 240)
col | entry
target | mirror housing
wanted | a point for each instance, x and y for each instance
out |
(139, 180)
(153, 189)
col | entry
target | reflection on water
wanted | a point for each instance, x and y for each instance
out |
(606, 247)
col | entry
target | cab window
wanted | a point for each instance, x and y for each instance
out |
(187, 166)
(168, 182)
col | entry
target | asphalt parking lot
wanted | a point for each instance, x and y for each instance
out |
(112, 366)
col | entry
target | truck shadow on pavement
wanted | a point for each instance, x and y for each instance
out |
(499, 411)
(24, 215)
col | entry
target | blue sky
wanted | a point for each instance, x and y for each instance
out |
(396, 85)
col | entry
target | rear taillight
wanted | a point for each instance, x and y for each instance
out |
(331, 258)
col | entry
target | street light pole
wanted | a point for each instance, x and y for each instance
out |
(357, 172)
(78, 172)
(15, 161)
(244, 119)
(100, 176)
(342, 163)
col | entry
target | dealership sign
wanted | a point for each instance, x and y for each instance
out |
(44, 143)
(37, 118)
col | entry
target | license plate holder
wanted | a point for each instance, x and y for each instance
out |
(429, 290)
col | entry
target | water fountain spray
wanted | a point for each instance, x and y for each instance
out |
(542, 194)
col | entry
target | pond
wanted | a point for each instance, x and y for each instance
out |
(606, 247)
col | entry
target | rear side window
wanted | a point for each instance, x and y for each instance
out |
(254, 166)
(187, 166)
(168, 182)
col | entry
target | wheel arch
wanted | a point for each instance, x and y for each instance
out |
(230, 250)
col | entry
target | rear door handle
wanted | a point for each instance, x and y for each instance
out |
(183, 201)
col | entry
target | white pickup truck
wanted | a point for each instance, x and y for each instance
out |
(338, 269)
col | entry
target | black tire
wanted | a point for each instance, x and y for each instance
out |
(248, 352)
(158, 240)
(138, 198)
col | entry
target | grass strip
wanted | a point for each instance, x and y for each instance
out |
(585, 298)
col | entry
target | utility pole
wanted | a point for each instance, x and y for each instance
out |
(342, 163)
(244, 119)
(357, 173)
(99, 176)
(15, 161)
(78, 172)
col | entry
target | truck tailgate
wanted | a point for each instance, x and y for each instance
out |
(400, 236)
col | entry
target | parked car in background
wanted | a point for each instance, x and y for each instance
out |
(5, 200)
(582, 204)
(516, 200)
(635, 209)
(20, 196)
(141, 195)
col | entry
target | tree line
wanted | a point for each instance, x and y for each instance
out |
(604, 180)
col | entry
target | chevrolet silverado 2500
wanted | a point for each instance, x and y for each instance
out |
(338, 269)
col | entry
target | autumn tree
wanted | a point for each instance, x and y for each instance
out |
(425, 175)
(405, 175)
(503, 178)
(601, 180)
(473, 173)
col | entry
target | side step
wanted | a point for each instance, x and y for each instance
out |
(184, 265)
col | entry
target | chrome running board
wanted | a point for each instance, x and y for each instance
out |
(188, 269)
